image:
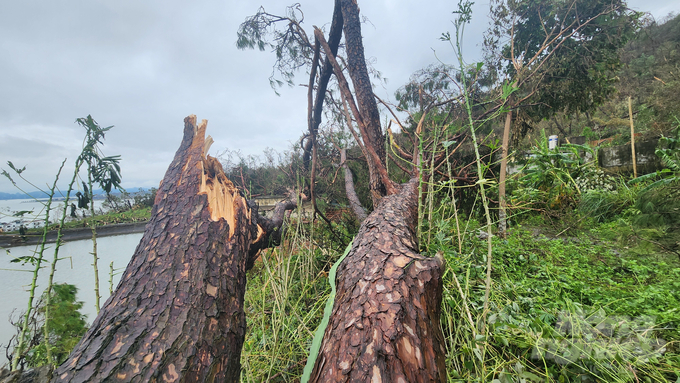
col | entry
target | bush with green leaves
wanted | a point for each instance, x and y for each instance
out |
(548, 182)
(66, 326)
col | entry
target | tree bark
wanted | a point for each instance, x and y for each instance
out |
(358, 72)
(385, 324)
(326, 71)
(177, 313)
(376, 167)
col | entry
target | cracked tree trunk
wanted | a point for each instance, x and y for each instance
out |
(385, 321)
(177, 313)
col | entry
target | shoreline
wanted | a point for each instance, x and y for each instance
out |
(12, 240)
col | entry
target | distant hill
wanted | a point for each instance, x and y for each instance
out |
(649, 75)
(35, 194)
(39, 194)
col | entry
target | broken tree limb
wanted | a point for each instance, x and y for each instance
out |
(270, 230)
(177, 313)
(350, 190)
(385, 326)
(334, 37)
(380, 183)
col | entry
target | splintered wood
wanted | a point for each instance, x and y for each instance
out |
(223, 197)
(177, 313)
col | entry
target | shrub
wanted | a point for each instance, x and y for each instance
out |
(66, 326)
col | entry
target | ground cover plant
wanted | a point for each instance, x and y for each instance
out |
(596, 302)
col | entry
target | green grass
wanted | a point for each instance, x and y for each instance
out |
(130, 216)
(285, 298)
(588, 307)
(134, 215)
(617, 302)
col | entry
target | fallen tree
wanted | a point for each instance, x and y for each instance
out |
(384, 326)
(385, 321)
(177, 313)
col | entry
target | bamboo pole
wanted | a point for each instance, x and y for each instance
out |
(502, 214)
(632, 135)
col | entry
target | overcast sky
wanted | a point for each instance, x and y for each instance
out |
(145, 65)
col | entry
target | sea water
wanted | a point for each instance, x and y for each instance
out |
(34, 212)
(75, 267)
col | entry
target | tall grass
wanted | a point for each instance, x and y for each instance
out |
(285, 297)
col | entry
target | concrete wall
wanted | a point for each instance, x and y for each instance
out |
(267, 203)
(619, 159)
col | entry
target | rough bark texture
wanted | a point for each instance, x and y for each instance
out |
(177, 313)
(376, 166)
(37, 375)
(385, 322)
(358, 72)
(272, 229)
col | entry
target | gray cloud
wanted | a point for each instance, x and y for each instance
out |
(145, 65)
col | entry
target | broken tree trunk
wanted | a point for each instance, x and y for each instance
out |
(334, 37)
(385, 321)
(177, 313)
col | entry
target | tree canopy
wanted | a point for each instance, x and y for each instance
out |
(563, 55)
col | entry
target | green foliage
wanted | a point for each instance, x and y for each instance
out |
(290, 43)
(104, 170)
(650, 74)
(125, 201)
(144, 198)
(328, 310)
(36, 260)
(561, 309)
(547, 169)
(658, 203)
(284, 303)
(564, 55)
(669, 151)
(548, 181)
(66, 326)
(425, 87)
(269, 174)
(658, 217)
(602, 205)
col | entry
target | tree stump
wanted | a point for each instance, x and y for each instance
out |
(177, 313)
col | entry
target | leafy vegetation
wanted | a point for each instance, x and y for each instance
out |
(67, 325)
(584, 285)
(596, 305)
